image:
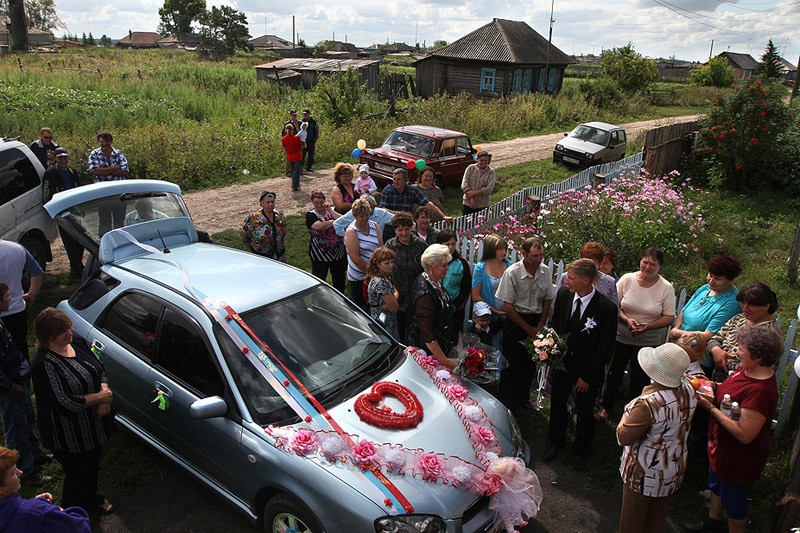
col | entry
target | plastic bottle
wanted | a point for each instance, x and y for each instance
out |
(725, 406)
(736, 411)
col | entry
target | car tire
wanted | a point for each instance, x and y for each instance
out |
(35, 247)
(286, 513)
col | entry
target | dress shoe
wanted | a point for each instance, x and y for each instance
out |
(707, 525)
(44, 459)
(37, 480)
(550, 453)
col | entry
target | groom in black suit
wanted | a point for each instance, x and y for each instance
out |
(590, 319)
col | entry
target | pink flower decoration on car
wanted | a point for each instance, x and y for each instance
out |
(431, 465)
(303, 442)
(484, 435)
(457, 392)
(489, 484)
(428, 360)
(364, 452)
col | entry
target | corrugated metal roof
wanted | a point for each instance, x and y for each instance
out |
(506, 41)
(270, 41)
(324, 65)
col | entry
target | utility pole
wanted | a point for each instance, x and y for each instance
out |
(294, 50)
(549, 40)
(19, 29)
(711, 52)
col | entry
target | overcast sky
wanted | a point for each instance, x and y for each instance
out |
(657, 28)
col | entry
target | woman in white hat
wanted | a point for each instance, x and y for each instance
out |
(654, 430)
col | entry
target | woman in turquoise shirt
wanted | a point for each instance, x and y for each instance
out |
(485, 279)
(713, 304)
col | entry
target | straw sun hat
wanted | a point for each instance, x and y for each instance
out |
(665, 364)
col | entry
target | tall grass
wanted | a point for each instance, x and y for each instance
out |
(202, 124)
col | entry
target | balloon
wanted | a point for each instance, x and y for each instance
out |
(478, 148)
(411, 164)
(357, 153)
(361, 144)
(420, 164)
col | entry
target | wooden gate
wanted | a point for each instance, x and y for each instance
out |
(664, 146)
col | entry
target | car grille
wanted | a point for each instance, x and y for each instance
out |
(478, 517)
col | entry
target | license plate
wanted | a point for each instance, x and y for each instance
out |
(382, 166)
(571, 160)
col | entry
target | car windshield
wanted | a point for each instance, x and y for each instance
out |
(590, 134)
(94, 218)
(333, 349)
(410, 143)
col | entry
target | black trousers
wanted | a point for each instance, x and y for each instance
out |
(308, 155)
(80, 479)
(338, 271)
(74, 252)
(517, 378)
(623, 353)
(562, 385)
(17, 326)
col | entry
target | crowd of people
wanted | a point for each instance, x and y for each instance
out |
(382, 249)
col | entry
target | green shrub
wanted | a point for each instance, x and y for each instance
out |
(715, 73)
(602, 92)
(629, 69)
(747, 140)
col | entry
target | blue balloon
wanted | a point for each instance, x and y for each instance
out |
(357, 153)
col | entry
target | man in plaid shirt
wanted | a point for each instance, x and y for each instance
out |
(107, 163)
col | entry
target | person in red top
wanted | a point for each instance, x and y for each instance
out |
(294, 154)
(738, 449)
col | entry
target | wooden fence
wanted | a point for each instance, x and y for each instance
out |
(664, 147)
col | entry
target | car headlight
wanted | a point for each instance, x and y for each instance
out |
(516, 434)
(587, 155)
(410, 523)
(559, 148)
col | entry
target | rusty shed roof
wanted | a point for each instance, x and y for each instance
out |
(507, 41)
(323, 65)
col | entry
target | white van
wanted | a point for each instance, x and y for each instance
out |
(22, 217)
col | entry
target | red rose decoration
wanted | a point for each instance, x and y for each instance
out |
(431, 465)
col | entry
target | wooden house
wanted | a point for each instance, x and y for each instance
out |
(282, 47)
(304, 73)
(501, 58)
(36, 38)
(789, 70)
(139, 39)
(744, 66)
(179, 41)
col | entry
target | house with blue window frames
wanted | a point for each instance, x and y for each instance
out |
(502, 58)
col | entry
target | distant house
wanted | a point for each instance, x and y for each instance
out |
(139, 39)
(501, 58)
(399, 48)
(744, 66)
(282, 47)
(179, 41)
(36, 37)
(340, 50)
(789, 70)
(675, 69)
(304, 73)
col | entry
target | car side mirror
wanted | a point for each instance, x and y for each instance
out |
(210, 407)
(565, 134)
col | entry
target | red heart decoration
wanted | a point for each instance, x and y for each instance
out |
(368, 411)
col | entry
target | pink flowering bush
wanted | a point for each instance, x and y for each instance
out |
(631, 214)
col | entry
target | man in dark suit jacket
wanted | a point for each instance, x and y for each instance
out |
(592, 329)
(61, 178)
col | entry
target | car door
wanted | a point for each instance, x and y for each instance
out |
(186, 369)
(456, 156)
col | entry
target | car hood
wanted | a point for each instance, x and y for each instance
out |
(441, 431)
(579, 145)
(397, 155)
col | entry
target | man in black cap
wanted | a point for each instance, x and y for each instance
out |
(312, 134)
(61, 178)
(296, 125)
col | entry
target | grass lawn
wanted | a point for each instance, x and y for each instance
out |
(758, 229)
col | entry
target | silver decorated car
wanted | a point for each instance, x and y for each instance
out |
(591, 144)
(268, 385)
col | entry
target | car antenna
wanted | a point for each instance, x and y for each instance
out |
(165, 250)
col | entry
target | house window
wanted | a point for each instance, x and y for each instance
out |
(487, 80)
(542, 84)
(552, 80)
(521, 82)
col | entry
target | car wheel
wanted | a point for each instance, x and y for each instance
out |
(284, 513)
(35, 247)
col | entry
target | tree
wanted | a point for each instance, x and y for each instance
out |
(105, 41)
(90, 41)
(19, 31)
(40, 14)
(747, 139)
(223, 30)
(771, 66)
(321, 48)
(340, 96)
(715, 73)
(178, 15)
(629, 69)
(438, 44)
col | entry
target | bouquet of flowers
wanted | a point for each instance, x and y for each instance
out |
(477, 361)
(548, 348)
